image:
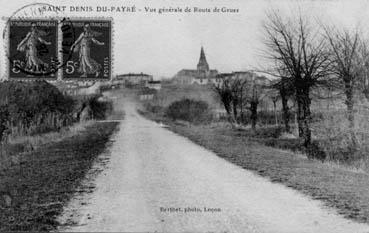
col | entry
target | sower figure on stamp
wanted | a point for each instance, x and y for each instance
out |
(30, 45)
(87, 65)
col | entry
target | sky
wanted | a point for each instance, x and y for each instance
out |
(163, 44)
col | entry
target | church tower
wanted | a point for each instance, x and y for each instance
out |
(203, 64)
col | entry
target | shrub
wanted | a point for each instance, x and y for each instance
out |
(99, 108)
(195, 111)
(156, 109)
(335, 138)
(33, 107)
(266, 117)
(89, 107)
(4, 117)
(315, 151)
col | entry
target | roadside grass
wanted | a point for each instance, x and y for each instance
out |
(341, 187)
(41, 139)
(34, 189)
(12, 149)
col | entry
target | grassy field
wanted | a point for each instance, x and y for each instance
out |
(34, 190)
(337, 186)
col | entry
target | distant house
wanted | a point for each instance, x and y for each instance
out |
(154, 85)
(147, 94)
(79, 87)
(201, 76)
(220, 113)
(91, 90)
(132, 79)
(244, 75)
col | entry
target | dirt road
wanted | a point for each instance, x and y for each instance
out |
(157, 181)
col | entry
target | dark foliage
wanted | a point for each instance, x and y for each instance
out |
(189, 110)
(314, 151)
(268, 117)
(157, 109)
(4, 115)
(37, 105)
(270, 136)
(99, 109)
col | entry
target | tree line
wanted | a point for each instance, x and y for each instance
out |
(303, 55)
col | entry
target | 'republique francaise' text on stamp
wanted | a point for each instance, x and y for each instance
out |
(33, 48)
(90, 52)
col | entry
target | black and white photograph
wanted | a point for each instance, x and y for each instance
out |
(184, 116)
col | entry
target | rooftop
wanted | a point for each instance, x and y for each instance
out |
(133, 74)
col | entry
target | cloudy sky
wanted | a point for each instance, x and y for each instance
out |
(162, 44)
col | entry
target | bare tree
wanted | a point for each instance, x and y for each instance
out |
(236, 85)
(364, 68)
(254, 92)
(285, 90)
(242, 97)
(224, 88)
(274, 97)
(299, 51)
(238, 93)
(345, 46)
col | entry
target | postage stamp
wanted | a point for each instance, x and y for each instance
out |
(91, 53)
(33, 48)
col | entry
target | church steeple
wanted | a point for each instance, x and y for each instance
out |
(203, 64)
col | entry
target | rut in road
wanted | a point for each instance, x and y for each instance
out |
(152, 171)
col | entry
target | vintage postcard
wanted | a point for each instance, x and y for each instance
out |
(246, 116)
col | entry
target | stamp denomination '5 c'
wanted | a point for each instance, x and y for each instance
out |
(33, 48)
(91, 57)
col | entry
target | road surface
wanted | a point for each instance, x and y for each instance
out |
(157, 181)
